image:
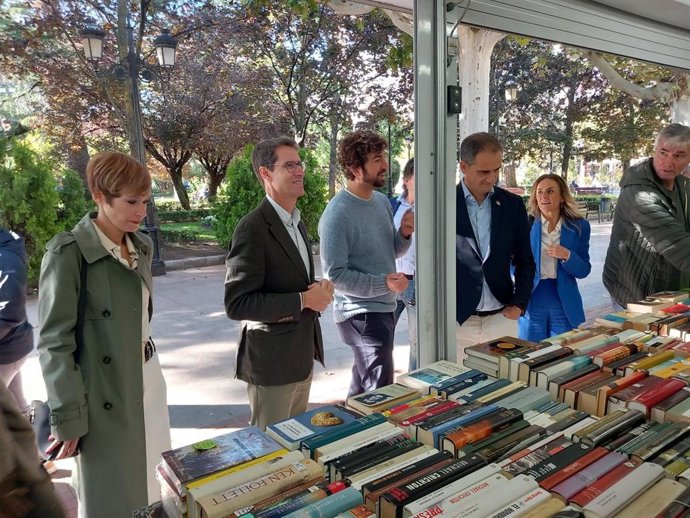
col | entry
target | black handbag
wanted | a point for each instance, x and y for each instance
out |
(39, 413)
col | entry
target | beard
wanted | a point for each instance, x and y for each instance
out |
(375, 180)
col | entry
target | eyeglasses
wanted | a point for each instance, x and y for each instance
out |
(292, 167)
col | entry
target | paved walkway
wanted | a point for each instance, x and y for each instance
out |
(197, 347)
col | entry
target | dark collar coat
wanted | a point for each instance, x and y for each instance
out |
(265, 274)
(509, 246)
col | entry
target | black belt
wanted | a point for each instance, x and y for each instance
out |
(409, 277)
(487, 313)
(149, 349)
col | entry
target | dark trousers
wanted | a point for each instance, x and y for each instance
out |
(371, 337)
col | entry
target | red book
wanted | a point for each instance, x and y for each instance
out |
(621, 398)
(677, 309)
(607, 390)
(600, 485)
(430, 412)
(647, 399)
(568, 471)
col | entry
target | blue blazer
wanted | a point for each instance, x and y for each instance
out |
(574, 237)
(509, 247)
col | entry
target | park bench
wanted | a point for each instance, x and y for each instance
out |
(589, 190)
(589, 207)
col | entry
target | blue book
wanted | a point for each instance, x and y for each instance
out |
(464, 384)
(309, 445)
(431, 436)
(331, 505)
(291, 432)
(488, 389)
(436, 388)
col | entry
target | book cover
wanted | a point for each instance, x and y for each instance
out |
(222, 503)
(432, 435)
(355, 442)
(348, 470)
(661, 441)
(558, 382)
(372, 497)
(620, 494)
(480, 364)
(291, 432)
(586, 398)
(567, 422)
(560, 368)
(235, 478)
(436, 388)
(671, 295)
(410, 457)
(494, 437)
(330, 505)
(574, 335)
(603, 483)
(573, 468)
(532, 455)
(496, 450)
(310, 444)
(572, 389)
(621, 398)
(505, 359)
(557, 461)
(679, 506)
(523, 504)
(615, 353)
(467, 383)
(537, 361)
(504, 392)
(653, 500)
(649, 305)
(592, 343)
(657, 393)
(361, 511)
(422, 401)
(618, 367)
(422, 378)
(581, 479)
(671, 370)
(300, 501)
(510, 363)
(481, 429)
(277, 498)
(392, 502)
(382, 398)
(649, 361)
(188, 463)
(494, 349)
(451, 489)
(609, 426)
(679, 413)
(369, 452)
(617, 385)
(673, 453)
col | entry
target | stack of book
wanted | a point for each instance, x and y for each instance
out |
(485, 357)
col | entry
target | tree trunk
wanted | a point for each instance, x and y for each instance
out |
(215, 178)
(333, 156)
(476, 46)
(176, 176)
(568, 130)
(509, 175)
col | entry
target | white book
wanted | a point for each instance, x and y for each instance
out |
(434, 497)
(407, 458)
(541, 419)
(523, 504)
(461, 393)
(350, 443)
(568, 432)
(654, 500)
(235, 478)
(515, 362)
(532, 447)
(528, 399)
(436, 372)
(615, 498)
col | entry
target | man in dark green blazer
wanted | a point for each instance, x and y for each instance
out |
(270, 286)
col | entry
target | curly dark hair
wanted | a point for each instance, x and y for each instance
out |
(356, 147)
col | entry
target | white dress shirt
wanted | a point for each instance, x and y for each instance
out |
(549, 264)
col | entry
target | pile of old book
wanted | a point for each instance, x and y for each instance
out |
(594, 422)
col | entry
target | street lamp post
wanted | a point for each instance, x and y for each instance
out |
(92, 41)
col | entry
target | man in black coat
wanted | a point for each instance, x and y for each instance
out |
(649, 249)
(492, 238)
(16, 334)
(270, 287)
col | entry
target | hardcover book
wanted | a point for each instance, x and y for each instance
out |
(422, 378)
(291, 432)
(494, 349)
(650, 397)
(615, 498)
(573, 468)
(621, 398)
(603, 483)
(571, 390)
(188, 463)
(605, 391)
(309, 444)
(587, 396)
(510, 363)
(649, 305)
(556, 384)
(534, 362)
(382, 398)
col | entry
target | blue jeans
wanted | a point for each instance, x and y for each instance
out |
(407, 301)
(370, 335)
(545, 314)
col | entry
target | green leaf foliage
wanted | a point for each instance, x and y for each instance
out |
(242, 192)
(73, 205)
(28, 199)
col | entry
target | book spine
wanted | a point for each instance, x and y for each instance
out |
(361, 511)
(330, 505)
(571, 469)
(603, 483)
(579, 481)
(402, 472)
(266, 503)
(309, 445)
(480, 430)
(557, 462)
(523, 504)
(224, 502)
(298, 502)
(397, 450)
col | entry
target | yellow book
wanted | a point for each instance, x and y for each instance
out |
(649, 362)
(548, 508)
(213, 476)
(673, 370)
(497, 394)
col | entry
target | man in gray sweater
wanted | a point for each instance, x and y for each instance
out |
(359, 245)
(649, 249)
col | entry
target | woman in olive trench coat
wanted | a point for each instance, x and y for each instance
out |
(100, 398)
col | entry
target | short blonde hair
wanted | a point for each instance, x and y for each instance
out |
(113, 173)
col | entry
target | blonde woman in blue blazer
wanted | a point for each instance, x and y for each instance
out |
(559, 238)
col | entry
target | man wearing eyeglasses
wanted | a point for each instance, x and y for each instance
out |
(270, 286)
(359, 245)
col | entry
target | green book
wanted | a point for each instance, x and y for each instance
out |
(310, 444)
